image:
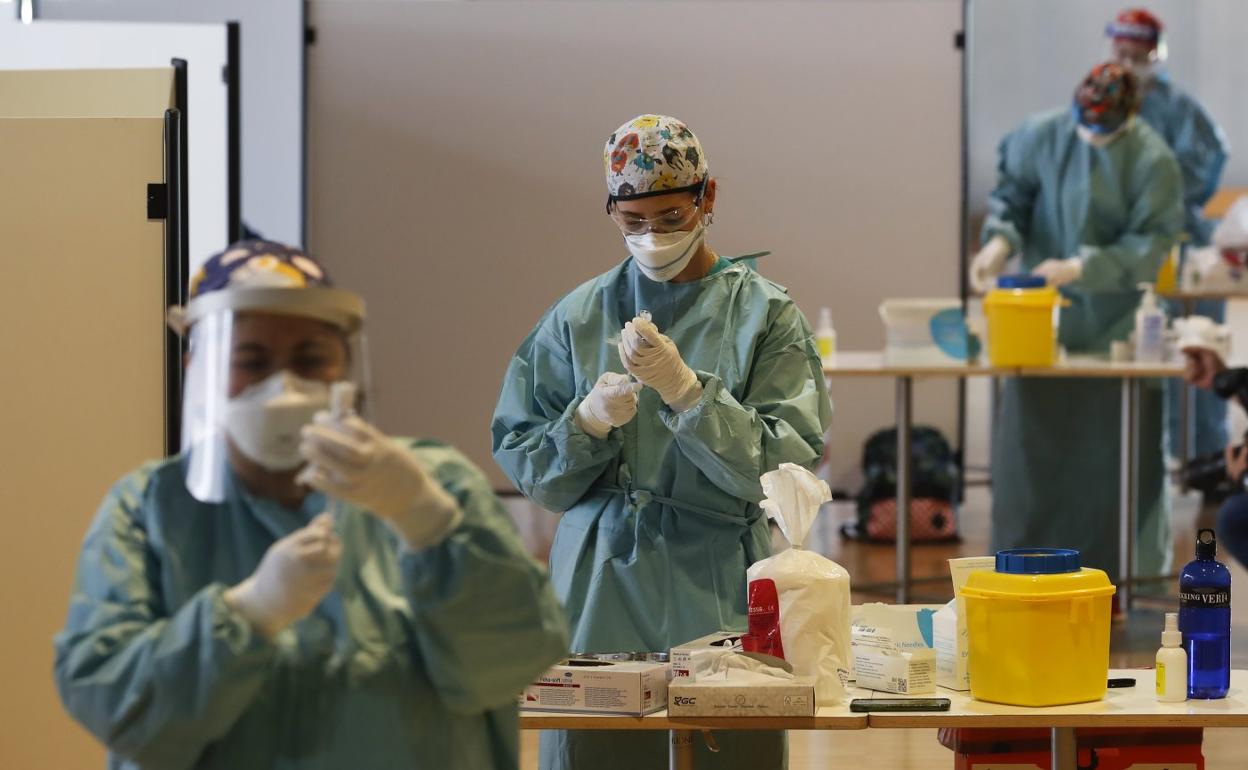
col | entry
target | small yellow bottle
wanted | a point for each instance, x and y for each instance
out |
(825, 336)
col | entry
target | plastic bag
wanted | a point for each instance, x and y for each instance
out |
(813, 591)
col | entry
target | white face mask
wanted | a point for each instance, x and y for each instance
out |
(1101, 140)
(661, 256)
(1144, 72)
(265, 420)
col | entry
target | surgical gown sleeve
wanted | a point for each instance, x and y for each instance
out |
(155, 684)
(486, 620)
(1010, 204)
(536, 441)
(781, 417)
(1154, 221)
(1200, 149)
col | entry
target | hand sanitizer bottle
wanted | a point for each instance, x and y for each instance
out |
(1171, 663)
(1150, 328)
(825, 336)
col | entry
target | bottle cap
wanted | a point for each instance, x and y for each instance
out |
(1206, 544)
(1171, 637)
(825, 318)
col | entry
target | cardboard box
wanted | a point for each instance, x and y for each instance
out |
(950, 637)
(890, 652)
(795, 698)
(952, 649)
(700, 654)
(633, 688)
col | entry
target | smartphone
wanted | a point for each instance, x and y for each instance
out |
(861, 705)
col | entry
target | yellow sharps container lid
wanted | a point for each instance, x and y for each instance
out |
(1038, 573)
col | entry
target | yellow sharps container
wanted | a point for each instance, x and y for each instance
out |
(1038, 629)
(1022, 321)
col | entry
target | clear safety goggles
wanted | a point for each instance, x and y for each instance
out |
(255, 376)
(669, 221)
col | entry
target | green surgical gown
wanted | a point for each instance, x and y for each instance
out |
(661, 518)
(414, 660)
(1055, 470)
(1198, 144)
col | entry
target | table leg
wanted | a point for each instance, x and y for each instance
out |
(1129, 465)
(680, 750)
(1187, 410)
(1064, 749)
(904, 416)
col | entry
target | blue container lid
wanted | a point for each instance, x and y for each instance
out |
(1021, 281)
(1038, 561)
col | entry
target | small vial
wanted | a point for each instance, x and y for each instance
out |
(342, 400)
(341, 406)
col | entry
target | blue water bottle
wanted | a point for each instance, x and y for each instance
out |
(1205, 620)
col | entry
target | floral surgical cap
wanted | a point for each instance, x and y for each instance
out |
(653, 155)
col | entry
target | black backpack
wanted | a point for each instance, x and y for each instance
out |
(933, 483)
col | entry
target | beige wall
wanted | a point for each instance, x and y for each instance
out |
(82, 386)
(456, 173)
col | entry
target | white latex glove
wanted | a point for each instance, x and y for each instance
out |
(988, 263)
(292, 578)
(1060, 272)
(611, 403)
(353, 461)
(653, 358)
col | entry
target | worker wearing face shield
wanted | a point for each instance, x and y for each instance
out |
(644, 406)
(1090, 198)
(1138, 42)
(222, 618)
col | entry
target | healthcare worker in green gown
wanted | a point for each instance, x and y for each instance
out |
(644, 407)
(1090, 198)
(1138, 43)
(222, 618)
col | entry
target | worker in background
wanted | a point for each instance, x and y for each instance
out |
(1090, 198)
(221, 618)
(1138, 43)
(644, 406)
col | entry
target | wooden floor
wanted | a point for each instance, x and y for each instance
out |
(1134, 643)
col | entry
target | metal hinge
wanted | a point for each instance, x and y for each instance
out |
(157, 200)
(959, 40)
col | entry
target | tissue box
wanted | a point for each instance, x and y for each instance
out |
(950, 642)
(700, 654)
(907, 673)
(795, 698)
(633, 688)
(890, 652)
